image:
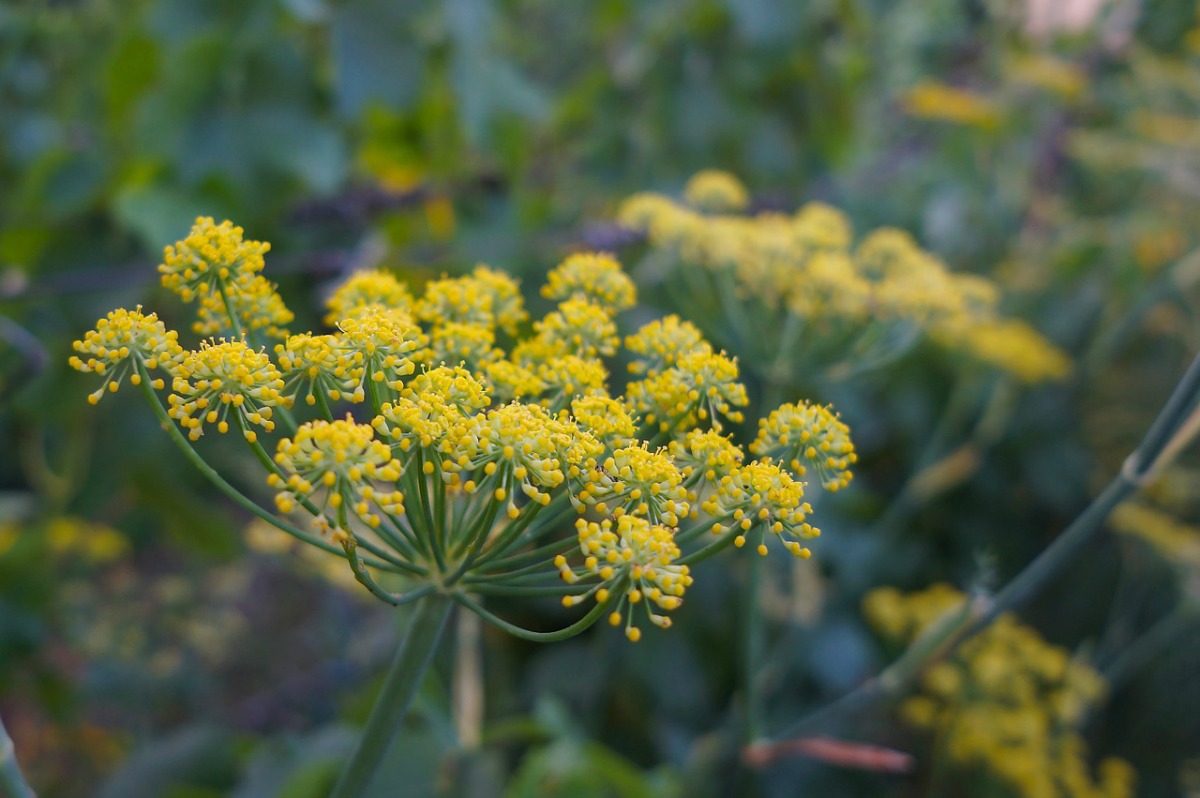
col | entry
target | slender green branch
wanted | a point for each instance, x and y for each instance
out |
(529, 591)
(1151, 644)
(322, 403)
(235, 324)
(717, 546)
(1164, 439)
(366, 580)
(540, 637)
(526, 559)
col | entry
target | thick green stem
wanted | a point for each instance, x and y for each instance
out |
(12, 780)
(404, 677)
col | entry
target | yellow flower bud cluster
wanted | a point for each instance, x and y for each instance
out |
(342, 460)
(609, 420)
(486, 298)
(798, 282)
(316, 365)
(635, 552)
(384, 347)
(636, 480)
(716, 191)
(221, 270)
(1006, 706)
(120, 342)
(807, 436)
(702, 387)
(364, 289)
(706, 455)
(1009, 344)
(225, 375)
(660, 344)
(472, 444)
(591, 276)
(761, 497)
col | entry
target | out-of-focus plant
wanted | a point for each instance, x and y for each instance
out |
(472, 459)
(796, 297)
(1004, 709)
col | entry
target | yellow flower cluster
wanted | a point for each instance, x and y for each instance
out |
(121, 341)
(932, 100)
(475, 445)
(595, 277)
(344, 460)
(223, 375)
(1006, 706)
(775, 284)
(370, 287)
(764, 497)
(1009, 344)
(633, 551)
(700, 387)
(486, 298)
(68, 537)
(216, 266)
(807, 436)
(716, 191)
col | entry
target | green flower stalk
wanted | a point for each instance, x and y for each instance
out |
(452, 460)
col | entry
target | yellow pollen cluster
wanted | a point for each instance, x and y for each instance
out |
(223, 375)
(215, 265)
(593, 277)
(564, 377)
(486, 298)
(1008, 344)
(384, 346)
(520, 447)
(1006, 706)
(700, 387)
(804, 436)
(717, 191)
(121, 339)
(610, 420)
(364, 289)
(341, 458)
(636, 480)
(761, 495)
(633, 552)
(315, 364)
(508, 380)
(579, 327)
(707, 455)
(211, 254)
(454, 343)
(661, 343)
(939, 101)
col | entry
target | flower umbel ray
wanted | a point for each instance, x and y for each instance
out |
(475, 461)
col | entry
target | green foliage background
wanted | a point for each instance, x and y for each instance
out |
(425, 136)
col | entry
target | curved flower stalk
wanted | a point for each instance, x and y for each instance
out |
(461, 473)
(793, 292)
